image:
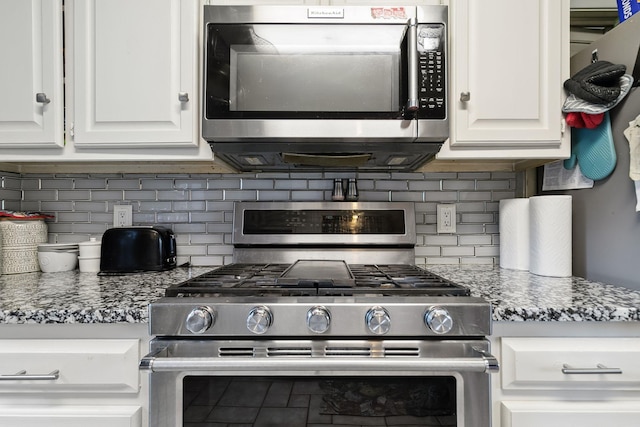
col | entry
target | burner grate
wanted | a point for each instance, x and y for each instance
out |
(369, 279)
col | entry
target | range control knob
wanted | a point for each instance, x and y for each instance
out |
(259, 319)
(318, 320)
(438, 320)
(378, 320)
(200, 319)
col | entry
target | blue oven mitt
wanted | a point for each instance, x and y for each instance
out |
(593, 149)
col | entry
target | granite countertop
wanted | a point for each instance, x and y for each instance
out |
(73, 297)
(522, 296)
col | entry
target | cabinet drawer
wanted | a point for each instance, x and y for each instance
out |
(70, 416)
(571, 363)
(564, 414)
(69, 365)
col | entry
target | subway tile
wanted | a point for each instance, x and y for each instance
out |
(257, 184)
(219, 206)
(156, 184)
(30, 184)
(441, 240)
(189, 228)
(458, 185)
(272, 175)
(427, 251)
(90, 206)
(144, 218)
(191, 250)
(305, 175)
(267, 196)
(140, 195)
(191, 184)
(306, 195)
(440, 196)
(89, 228)
(475, 195)
(374, 196)
(123, 184)
(317, 184)
(464, 207)
(240, 195)
(90, 184)
(58, 184)
(406, 196)
(30, 206)
(189, 206)
(173, 194)
(207, 195)
(500, 195)
(207, 216)
(488, 251)
(477, 260)
(155, 206)
(392, 185)
(10, 195)
(470, 228)
(479, 218)
(373, 175)
(470, 240)
(173, 217)
(74, 195)
(452, 251)
(40, 195)
(474, 175)
(107, 195)
(493, 185)
(441, 175)
(424, 185)
(407, 175)
(219, 228)
(10, 183)
(291, 184)
(219, 250)
(73, 217)
(207, 239)
(56, 206)
(223, 184)
(442, 260)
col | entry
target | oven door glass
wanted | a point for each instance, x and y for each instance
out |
(315, 401)
(271, 71)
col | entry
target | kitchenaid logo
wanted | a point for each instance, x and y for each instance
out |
(334, 12)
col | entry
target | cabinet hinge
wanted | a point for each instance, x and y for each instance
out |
(563, 125)
(71, 130)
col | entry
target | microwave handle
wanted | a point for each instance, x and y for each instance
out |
(414, 66)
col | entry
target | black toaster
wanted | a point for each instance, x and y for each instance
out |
(136, 249)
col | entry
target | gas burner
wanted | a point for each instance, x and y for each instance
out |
(290, 280)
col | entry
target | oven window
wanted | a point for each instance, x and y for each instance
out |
(327, 401)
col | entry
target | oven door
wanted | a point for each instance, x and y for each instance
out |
(301, 383)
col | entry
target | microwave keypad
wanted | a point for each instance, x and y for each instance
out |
(432, 71)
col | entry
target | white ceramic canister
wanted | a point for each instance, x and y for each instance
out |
(19, 239)
(90, 248)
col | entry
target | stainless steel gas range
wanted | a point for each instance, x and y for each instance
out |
(322, 319)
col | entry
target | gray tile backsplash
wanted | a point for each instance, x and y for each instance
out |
(199, 207)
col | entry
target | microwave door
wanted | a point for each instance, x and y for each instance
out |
(312, 81)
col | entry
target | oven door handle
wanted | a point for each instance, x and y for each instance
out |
(155, 362)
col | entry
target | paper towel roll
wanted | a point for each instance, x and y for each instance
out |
(550, 235)
(514, 234)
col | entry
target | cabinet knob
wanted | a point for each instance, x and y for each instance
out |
(465, 96)
(183, 97)
(41, 98)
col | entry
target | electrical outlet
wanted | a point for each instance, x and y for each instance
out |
(122, 216)
(446, 218)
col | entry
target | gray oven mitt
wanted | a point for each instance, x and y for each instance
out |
(598, 82)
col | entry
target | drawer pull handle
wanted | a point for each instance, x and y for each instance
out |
(600, 369)
(23, 376)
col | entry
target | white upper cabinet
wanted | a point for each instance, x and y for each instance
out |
(134, 68)
(508, 62)
(31, 106)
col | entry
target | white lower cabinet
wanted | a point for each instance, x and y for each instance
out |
(73, 376)
(560, 374)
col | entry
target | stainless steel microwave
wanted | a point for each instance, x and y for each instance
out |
(357, 86)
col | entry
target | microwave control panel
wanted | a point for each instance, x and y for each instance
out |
(431, 51)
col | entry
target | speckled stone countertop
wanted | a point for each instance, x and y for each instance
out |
(74, 297)
(522, 296)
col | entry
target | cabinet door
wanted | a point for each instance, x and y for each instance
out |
(134, 73)
(31, 106)
(508, 63)
(565, 414)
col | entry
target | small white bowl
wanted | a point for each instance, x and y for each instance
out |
(55, 257)
(89, 264)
